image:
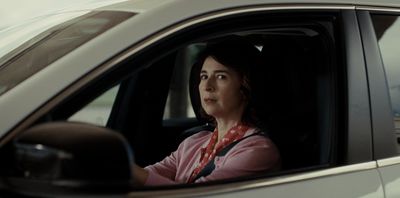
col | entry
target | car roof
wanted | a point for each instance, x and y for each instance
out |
(149, 5)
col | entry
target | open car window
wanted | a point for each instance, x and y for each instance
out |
(294, 92)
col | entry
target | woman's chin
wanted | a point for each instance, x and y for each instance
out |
(213, 113)
(210, 111)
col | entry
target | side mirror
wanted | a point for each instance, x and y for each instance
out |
(73, 156)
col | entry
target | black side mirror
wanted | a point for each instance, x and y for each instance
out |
(73, 156)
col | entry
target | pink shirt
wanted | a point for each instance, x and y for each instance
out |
(255, 154)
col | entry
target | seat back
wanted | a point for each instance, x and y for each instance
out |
(285, 98)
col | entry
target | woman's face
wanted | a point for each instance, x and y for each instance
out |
(220, 90)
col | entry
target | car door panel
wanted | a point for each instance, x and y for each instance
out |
(353, 181)
(380, 29)
(365, 184)
(389, 170)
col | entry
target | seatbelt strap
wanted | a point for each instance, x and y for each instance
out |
(209, 168)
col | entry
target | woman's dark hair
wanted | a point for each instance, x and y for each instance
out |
(235, 53)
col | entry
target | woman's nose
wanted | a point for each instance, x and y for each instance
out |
(208, 88)
(209, 85)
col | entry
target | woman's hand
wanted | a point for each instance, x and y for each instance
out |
(139, 175)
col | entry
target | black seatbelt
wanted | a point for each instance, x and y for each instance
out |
(209, 168)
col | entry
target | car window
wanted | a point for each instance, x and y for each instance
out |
(178, 103)
(52, 44)
(98, 111)
(387, 28)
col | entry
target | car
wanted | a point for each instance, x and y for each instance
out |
(86, 92)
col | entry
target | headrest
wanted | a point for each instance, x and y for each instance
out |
(278, 76)
(286, 97)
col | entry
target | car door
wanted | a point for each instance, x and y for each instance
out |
(353, 173)
(380, 29)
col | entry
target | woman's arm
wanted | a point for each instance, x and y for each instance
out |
(160, 173)
(166, 171)
(140, 175)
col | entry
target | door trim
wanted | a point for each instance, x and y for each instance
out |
(388, 161)
(251, 184)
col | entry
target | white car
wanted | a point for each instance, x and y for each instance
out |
(329, 93)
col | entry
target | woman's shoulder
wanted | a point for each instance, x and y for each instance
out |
(257, 143)
(258, 137)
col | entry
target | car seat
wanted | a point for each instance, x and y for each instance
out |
(286, 94)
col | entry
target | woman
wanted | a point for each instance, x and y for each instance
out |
(224, 92)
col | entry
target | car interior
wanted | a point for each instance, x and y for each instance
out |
(295, 94)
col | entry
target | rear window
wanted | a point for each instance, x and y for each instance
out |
(52, 44)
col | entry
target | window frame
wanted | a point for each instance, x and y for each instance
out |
(381, 111)
(357, 153)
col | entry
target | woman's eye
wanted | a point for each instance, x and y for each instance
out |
(221, 76)
(203, 77)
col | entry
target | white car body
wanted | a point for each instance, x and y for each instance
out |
(158, 19)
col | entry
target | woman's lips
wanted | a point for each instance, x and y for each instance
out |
(209, 100)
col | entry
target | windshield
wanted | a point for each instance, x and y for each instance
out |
(57, 40)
